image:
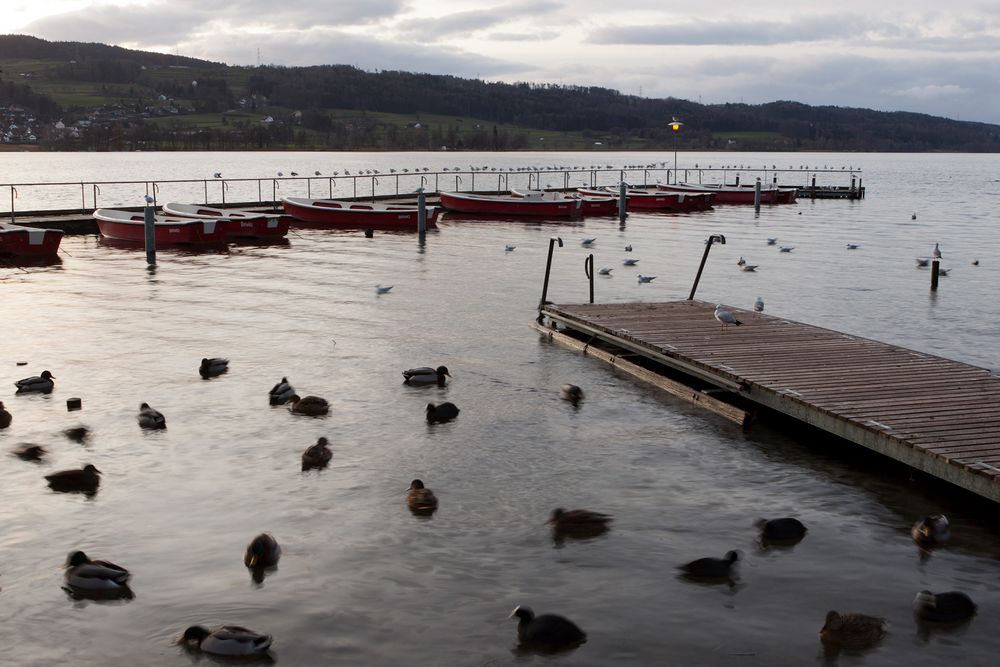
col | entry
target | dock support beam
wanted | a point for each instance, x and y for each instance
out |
(714, 238)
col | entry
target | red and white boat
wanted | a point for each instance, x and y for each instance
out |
(246, 224)
(335, 213)
(651, 200)
(509, 205)
(131, 226)
(20, 241)
(591, 204)
(736, 194)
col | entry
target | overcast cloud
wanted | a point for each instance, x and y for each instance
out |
(915, 55)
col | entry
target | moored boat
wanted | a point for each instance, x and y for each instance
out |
(736, 194)
(131, 226)
(335, 213)
(20, 241)
(590, 204)
(658, 200)
(246, 224)
(509, 205)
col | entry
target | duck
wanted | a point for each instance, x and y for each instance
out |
(426, 375)
(281, 392)
(317, 456)
(711, 568)
(851, 629)
(931, 531)
(150, 418)
(212, 367)
(580, 523)
(85, 574)
(262, 552)
(443, 412)
(229, 640)
(38, 383)
(549, 632)
(950, 607)
(784, 529)
(5, 416)
(420, 499)
(29, 452)
(84, 480)
(77, 433)
(314, 406)
(571, 393)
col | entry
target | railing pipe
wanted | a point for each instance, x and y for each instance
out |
(548, 269)
(714, 238)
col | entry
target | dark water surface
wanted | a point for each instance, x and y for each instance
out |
(364, 582)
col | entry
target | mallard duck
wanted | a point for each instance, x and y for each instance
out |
(578, 522)
(420, 499)
(150, 418)
(852, 630)
(313, 406)
(77, 433)
(281, 392)
(317, 456)
(39, 383)
(785, 529)
(571, 393)
(931, 531)
(84, 480)
(29, 452)
(5, 417)
(231, 640)
(444, 412)
(86, 574)
(211, 367)
(548, 632)
(711, 568)
(262, 552)
(426, 375)
(950, 607)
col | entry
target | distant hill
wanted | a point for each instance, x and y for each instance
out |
(114, 98)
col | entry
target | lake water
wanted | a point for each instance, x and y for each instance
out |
(364, 582)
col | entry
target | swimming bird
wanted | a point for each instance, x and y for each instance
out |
(786, 248)
(280, 174)
(314, 406)
(950, 607)
(784, 529)
(5, 416)
(97, 575)
(262, 552)
(711, 568)
(628, 248)
(548, 632)
(382, 290)
(646, 279)
(923, 261)
(758, 306)
(772, 240)
(604, 271)
(150, 418)
(217, 174)
(586, 243)
(914, 216)
(630, 262)
(944, 272)
(77, 433)
(741, 261)
(212, 367)
(975, 262)
(85, 480)
(444, 412)
(281, 392)
(749, 268)
(936, 253)
(509, 248)
(317, 456)
(426, 375)
(29, 452)
(571, 393)
(38, 383)
(578, 523)
(420, 499)
(725, 317)
(853, 246)
(931, 531)
(293, 173)
(317, 173)
(230, 640)
(852, 630)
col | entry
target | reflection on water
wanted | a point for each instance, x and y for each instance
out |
(362, 580)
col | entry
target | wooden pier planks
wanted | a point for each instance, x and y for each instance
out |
(937, 415)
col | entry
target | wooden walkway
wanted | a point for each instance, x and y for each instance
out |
(934, 414)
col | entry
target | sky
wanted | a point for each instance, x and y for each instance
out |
(935, 57)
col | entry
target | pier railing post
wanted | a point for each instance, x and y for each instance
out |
(714, 238)
(548, 268)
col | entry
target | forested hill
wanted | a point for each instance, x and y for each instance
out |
(157, 98)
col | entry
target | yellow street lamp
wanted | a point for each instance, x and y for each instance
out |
(675, 127)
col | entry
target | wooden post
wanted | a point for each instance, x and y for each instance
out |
(548, 269)
(150, 221)
(756, 196)
(935, 268)
(421, 214)
(622, 201)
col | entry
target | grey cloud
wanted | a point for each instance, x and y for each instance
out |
(481, 19)
(731, 33)
(542, 36)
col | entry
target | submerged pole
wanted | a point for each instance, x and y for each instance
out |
(150, 225)
(935, 270)
(714, 238)
(622, 201)
(548, 269)
(756, 196)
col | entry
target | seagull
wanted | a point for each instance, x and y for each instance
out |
(382, 290)
(853, 246)
(509, 247)
(217, 174)
(975, 262)
(293, 173)
(280, 174)
(630, 262)
(149, 200)
(749, 268)
(646, 279)
(317, 173)
(914, 216)
(758, 306)
(943, 272)
(936, 254)
(586, 243)
(786, 248)
(725, 317)
(772, 240)
(741, 261)
(628, 248)
(923, 261)
(604, 271)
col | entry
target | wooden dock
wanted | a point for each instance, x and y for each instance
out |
(934, 414)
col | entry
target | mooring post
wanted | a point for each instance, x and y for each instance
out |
(935, 269)
(548, 267)
(714, 238)
(13, 195)
(421, 214)
(205, 184)
(622, 202)
(588, 269)
(149, 218)
(860, 190)
(813, 189)
(756, 196)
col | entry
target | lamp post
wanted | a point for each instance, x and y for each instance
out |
(675, 127)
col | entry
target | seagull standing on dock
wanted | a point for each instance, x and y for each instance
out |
(725, 317)
(758, 306)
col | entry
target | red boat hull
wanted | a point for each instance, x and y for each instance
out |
(176, 231)
(331, 214)
(637, 200)
(18, 241)
(260, 228)
(738, 194)
(590, 204)
(244, 224)
(511, 206)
